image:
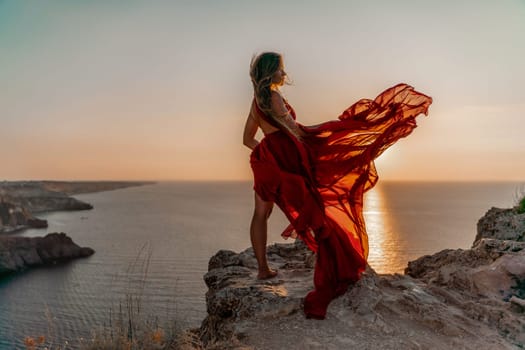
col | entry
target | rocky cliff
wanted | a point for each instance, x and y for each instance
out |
(462, 298)
(19, 253)
(503, 224)
(36, 197)
(14, 216)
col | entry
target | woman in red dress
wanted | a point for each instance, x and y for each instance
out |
(317, 175)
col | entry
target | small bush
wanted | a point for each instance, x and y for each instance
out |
(519, 199)
(521, 206)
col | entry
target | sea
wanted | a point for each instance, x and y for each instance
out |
(153, 243)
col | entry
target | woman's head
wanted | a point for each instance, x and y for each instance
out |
(266, 72)
(265, 67)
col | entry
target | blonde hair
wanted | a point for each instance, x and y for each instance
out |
(262, 69)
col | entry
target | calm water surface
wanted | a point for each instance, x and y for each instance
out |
(154, 242)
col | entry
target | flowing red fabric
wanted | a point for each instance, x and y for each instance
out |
(319, 181)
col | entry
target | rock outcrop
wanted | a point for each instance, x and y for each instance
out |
(462, 298)
(15, 216)
(486, 283)
(19, 253)
(502, 224)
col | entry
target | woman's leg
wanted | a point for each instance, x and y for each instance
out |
(259, 235)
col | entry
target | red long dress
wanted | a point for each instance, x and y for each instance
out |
(319, 181)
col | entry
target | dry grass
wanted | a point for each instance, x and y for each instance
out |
(128, 327)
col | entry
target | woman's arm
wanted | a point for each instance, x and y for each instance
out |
(284, 116)
(250, 129)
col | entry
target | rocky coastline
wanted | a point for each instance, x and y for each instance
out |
(20, 253)
(20, 200)
(457, 298)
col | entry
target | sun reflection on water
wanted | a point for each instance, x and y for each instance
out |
(383, 251)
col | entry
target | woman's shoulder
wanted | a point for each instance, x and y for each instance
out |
(279, 104)
(277, 95)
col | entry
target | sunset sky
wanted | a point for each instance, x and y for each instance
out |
(159, 90)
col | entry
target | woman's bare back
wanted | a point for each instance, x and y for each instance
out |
(266, 127)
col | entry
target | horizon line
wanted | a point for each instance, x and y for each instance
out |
(250, 180)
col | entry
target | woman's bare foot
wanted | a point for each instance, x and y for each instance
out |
(264, 275)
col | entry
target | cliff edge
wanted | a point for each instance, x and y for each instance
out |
(456, 298)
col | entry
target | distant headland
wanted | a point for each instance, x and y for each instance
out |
(21, 200)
